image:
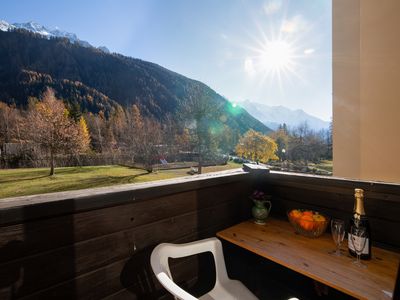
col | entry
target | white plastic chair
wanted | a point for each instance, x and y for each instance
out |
(224, 287)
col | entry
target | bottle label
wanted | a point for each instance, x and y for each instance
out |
(358, 242)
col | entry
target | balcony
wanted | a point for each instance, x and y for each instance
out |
(96, 243)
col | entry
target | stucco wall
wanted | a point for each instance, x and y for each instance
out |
(366, 89)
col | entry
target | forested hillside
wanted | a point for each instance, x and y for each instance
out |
(90, 80)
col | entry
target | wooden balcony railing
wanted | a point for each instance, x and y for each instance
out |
(96, 243)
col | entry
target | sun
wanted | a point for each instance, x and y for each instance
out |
(274, 59)
(276, 56)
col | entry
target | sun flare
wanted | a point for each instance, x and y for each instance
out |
(276, 56)
(275, 59)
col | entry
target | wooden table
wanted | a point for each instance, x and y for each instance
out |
(277, 241)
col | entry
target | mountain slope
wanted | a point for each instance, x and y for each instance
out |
(273, 116)
(118, 80)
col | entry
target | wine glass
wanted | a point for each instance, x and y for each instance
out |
(358, 239)
(338, 231)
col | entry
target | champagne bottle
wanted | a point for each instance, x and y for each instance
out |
(359, 219)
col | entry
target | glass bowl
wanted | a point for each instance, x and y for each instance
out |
(308, 222)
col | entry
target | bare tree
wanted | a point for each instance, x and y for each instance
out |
(170, 136)
(10, 119)
(306, 144)
(96, 126)
(143, 138)
(150, 146)
(134, 127)
(200, 113)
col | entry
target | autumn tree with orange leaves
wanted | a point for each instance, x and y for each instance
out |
(50, 126)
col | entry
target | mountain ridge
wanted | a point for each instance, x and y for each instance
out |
(273, 116)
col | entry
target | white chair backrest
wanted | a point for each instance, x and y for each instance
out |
(160, 266)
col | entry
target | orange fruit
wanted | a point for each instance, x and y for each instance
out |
(308, 213)
(307, 222)
(295, 214)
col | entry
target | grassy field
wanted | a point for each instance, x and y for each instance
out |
(22, 182)
(326, 165)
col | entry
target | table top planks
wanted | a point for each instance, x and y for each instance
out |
(277, 241)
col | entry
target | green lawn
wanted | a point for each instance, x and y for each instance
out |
(22, 182)
(326, 165)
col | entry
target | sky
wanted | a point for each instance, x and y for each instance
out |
(275, 52)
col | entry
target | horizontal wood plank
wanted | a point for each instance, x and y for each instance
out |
(23, 209)
(42, 270)
(17, 241)
(133, 274)
(278, 242)
(339, 201)
(388, 191)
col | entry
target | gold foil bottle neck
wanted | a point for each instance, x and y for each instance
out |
(358, 193)
(359, 202)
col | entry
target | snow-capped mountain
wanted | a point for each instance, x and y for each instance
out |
(273, 116)
(4, 26)
(46, 32)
